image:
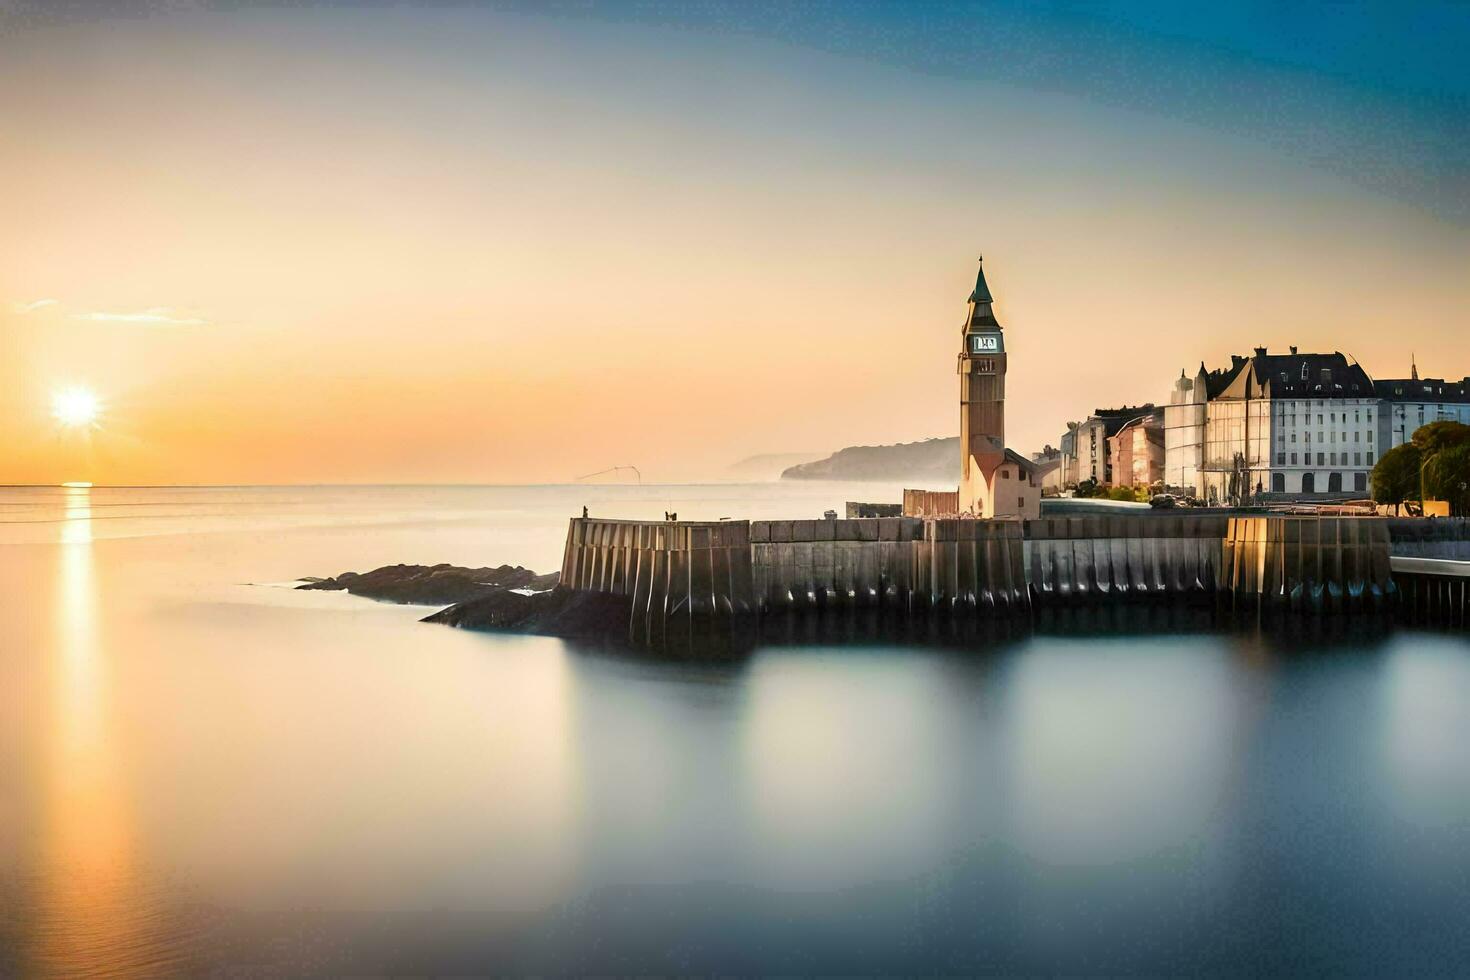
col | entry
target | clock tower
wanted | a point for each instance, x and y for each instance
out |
(982, 370)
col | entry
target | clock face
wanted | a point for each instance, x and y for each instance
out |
(984, 343)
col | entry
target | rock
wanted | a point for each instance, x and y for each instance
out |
(487, 599)
(560, 612)
(434, 585)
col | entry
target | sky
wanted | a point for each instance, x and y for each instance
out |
(337, 243)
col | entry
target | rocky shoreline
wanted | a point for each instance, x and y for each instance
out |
(507, 598)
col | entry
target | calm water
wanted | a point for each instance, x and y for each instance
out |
(199, 773)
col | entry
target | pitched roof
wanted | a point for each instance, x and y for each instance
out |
(981, 293)
(1291, 375)
(1027, 465)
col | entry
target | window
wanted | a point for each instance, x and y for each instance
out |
(1333, 458)
(1308, 436)
(1281, 459)
(1357, 459)
(1319, 418)
(1321, 460)
(1293, 459)
(1357, 436)
(1370, 433)
(1370, 459)
(1020, 503)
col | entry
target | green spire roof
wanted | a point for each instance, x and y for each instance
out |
(982, 290)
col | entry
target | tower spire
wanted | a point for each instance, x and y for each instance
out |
(980, 313)
(981, 293)
(1413, 368)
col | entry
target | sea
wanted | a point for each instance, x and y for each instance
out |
(204, 771)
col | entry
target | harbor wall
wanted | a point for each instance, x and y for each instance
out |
(1315, 566)
(687, 582)
(799, 566)
(1094, 557)
(1442, 537)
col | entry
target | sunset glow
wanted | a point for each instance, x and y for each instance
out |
(760, 254)
(76, 408)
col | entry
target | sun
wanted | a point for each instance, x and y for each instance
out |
(75, 407)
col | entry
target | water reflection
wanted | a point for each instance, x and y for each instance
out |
(88, 917)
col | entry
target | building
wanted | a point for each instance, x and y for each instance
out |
(1184, 432)
(994, 481)
(1091, 456)
(1048, 472)
(1137, 451)
(1067, 473)
(1408, 403)
(1293, 424)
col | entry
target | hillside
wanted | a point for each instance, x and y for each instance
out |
(934, 461)
(768, 466)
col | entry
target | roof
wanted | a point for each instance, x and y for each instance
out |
(1293, 375)
(1014, 457)
(1113, 419)
(1422, 390)
(981, 293)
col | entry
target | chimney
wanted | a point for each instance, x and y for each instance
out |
(1293, 348)
(1260, 352)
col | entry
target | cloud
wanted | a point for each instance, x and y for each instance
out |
(23, 308)
(156, 315)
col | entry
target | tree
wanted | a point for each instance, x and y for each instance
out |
(1447, 477)
(1396, 477)
(1089, 488)
(1434, 463)
(1439, 436)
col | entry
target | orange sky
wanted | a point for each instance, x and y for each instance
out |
(342, 247)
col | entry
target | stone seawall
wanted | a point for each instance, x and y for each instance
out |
(800, 566)
(1308, 565)
(686, 583)
(1093, 558)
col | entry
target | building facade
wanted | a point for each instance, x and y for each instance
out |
(1292, 424)
(1137, 450)
(1412, 402)
(1088, 446)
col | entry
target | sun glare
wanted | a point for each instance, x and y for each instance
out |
(75, 407)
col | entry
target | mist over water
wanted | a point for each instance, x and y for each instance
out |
(198, 772)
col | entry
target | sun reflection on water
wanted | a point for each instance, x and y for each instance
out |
(90, 919)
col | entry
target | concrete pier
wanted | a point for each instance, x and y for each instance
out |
(688, 584)
(691, 585)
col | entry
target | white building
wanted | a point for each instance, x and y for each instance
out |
(1273, 423)
(1411, 402)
